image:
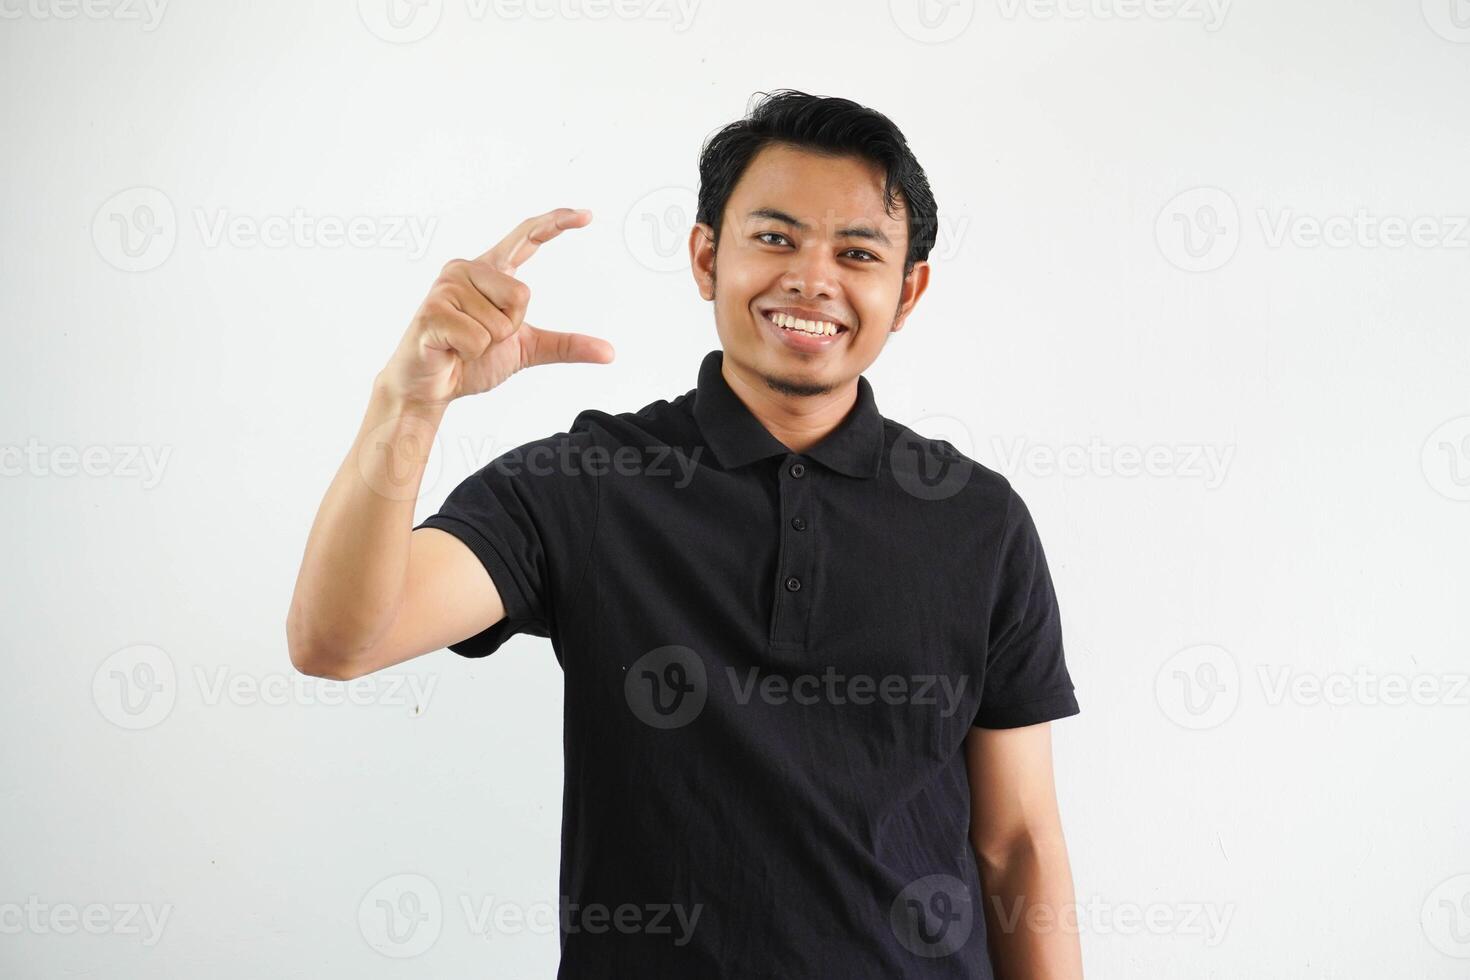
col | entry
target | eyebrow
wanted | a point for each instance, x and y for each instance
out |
(864, 232)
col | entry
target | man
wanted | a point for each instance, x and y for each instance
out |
(810, 658)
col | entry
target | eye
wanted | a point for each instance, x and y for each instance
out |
(867, 257)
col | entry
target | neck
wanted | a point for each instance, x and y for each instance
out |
(797, 421)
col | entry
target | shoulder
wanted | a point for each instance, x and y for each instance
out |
(934, 469)
(664, 421)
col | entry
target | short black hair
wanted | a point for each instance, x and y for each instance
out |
(839, 127)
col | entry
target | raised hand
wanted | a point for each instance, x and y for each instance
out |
(471, 334)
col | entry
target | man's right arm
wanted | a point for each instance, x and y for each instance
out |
(371, 591)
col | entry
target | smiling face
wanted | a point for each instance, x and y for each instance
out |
(807, 279)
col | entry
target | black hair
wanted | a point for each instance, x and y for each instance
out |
(839, 127)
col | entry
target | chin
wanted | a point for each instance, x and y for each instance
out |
(799, 383)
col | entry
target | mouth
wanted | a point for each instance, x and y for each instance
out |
(809, 333)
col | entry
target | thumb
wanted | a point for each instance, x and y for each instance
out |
(556, 347)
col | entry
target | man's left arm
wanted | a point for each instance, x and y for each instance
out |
(1016, 831)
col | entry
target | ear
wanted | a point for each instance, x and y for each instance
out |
(914, 285)
(702, 258)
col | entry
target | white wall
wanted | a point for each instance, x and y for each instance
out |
(1305, 521)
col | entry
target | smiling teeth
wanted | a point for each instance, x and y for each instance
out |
(820, 328)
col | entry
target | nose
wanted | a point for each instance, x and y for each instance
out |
(811, 274)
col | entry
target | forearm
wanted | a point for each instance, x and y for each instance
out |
(355, 563)
(1031, 911)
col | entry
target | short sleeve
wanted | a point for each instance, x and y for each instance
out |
(529, 515)
(1026, 680)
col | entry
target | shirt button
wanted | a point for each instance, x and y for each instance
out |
(793, 584)
(799, 523)
(797, 469)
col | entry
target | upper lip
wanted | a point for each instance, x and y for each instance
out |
(802, 314)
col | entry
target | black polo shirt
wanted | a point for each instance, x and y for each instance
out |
(771, 662)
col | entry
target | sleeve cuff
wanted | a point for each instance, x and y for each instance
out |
(507, 583)
(1062, 704)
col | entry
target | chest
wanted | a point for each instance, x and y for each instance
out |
(822, 566)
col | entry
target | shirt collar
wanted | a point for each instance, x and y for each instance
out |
(737, 437)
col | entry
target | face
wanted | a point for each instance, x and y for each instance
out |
(806, 235)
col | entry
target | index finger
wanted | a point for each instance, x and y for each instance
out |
(531, 234)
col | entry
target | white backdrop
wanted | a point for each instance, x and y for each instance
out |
(1199, 291)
